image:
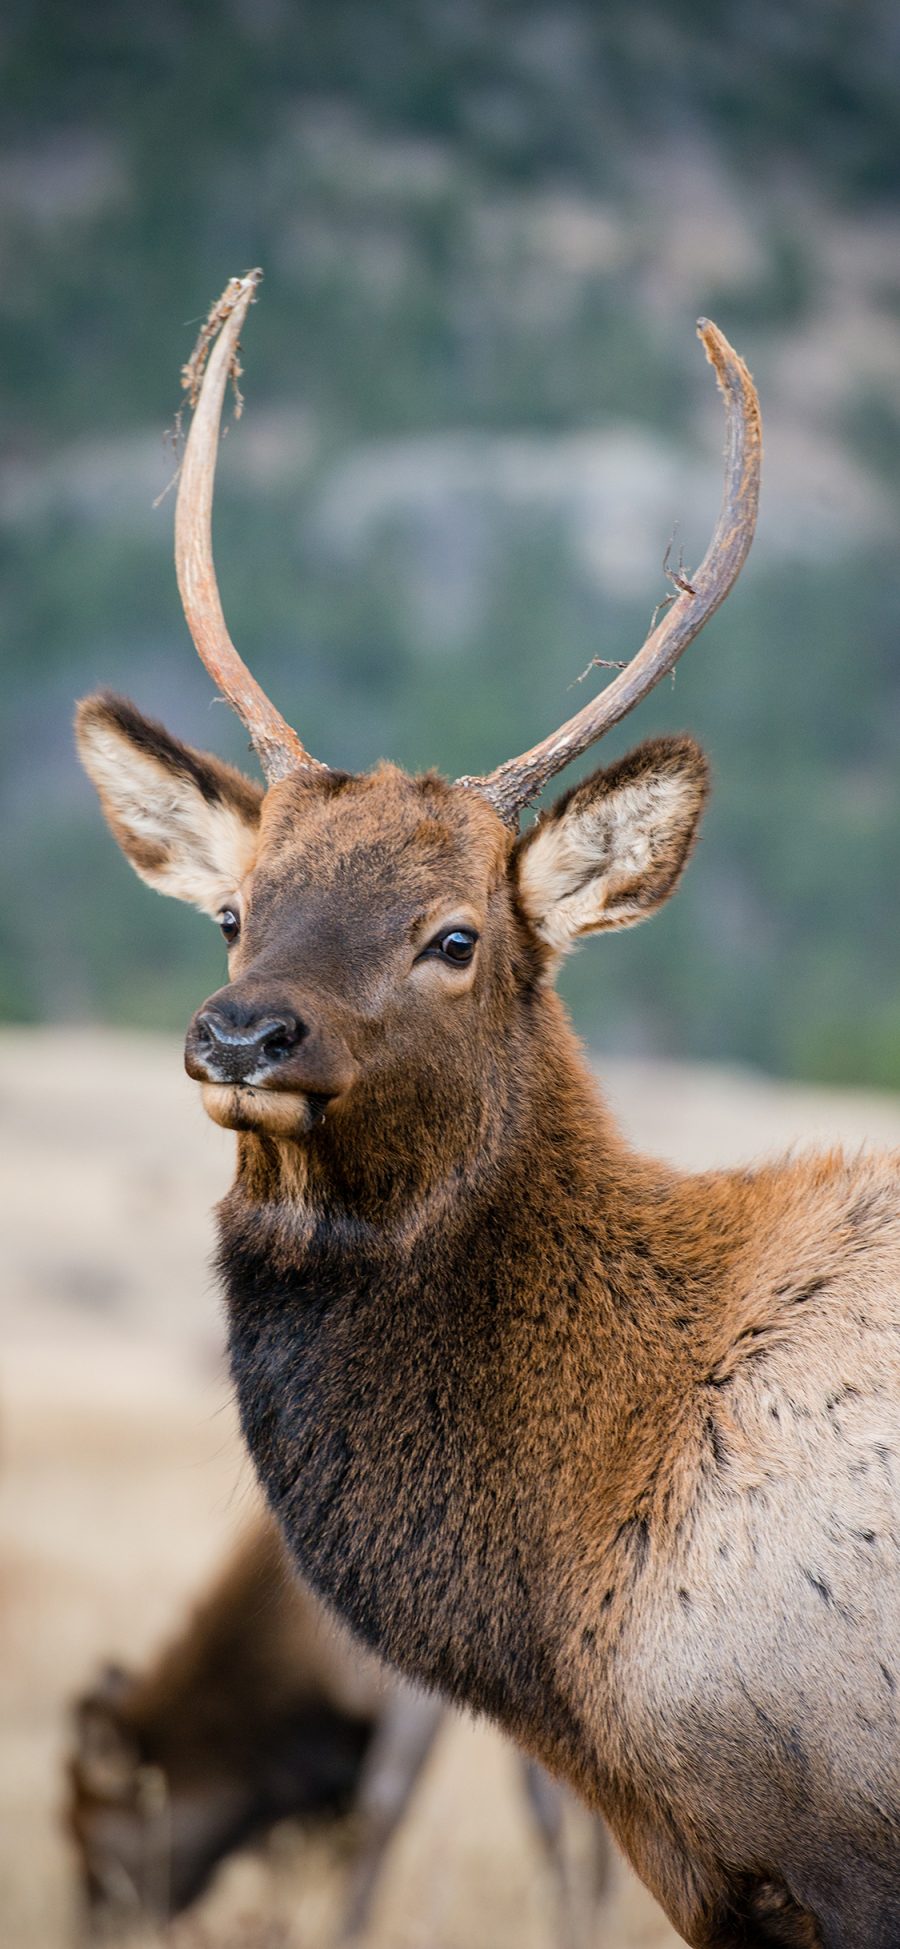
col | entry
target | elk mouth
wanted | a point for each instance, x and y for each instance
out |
(252, 1106)
(262, 1066)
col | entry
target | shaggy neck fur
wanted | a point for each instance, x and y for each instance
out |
(426, 1411)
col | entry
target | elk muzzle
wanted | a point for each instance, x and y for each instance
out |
(265, 1064)
(220, 1048)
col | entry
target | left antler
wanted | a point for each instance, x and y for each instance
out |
(514, 783)
(215, 357)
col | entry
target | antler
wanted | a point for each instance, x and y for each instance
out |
(204, 378)
(514, 783)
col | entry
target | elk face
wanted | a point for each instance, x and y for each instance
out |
(360, 943)
(385, 932)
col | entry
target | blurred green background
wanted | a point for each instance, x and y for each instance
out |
(475, 408)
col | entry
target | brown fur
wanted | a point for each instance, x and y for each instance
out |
(603, 1450)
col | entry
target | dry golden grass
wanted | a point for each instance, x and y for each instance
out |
(121, 1481)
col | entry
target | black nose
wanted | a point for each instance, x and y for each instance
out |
(227, 1044)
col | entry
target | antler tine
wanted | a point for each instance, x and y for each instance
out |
(278, 747)
(514, 783)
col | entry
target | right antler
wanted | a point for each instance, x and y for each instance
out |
(514, 783)
(204, 378)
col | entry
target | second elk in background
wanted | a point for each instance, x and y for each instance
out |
(260, 1709)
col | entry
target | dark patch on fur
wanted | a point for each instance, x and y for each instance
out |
(717, 1442)
(820, 1585)
(634, 1533)
(798, 1295)
(845, 1393)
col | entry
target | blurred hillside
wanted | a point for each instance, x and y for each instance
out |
(476, 407)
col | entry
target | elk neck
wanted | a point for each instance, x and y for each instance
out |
(430, 1394)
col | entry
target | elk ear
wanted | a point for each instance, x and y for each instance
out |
(187, 822)
(613, 849)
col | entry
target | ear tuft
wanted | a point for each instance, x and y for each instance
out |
(613, 849)
(186, 821)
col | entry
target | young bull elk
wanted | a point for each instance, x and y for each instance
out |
(606, 1451)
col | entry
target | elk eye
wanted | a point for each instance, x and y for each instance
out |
(230, 925)
(456, 946)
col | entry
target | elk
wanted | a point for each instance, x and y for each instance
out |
(255, 1710)
(606, 1451)
(258, 1709)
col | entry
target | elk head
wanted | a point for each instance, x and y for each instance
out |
(388, 935)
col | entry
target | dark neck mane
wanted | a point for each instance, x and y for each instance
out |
(419, 1386)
